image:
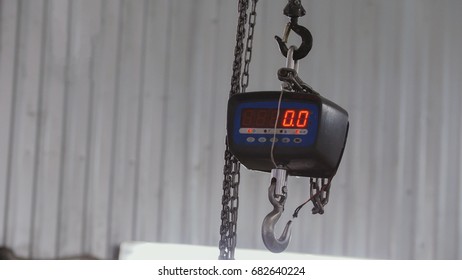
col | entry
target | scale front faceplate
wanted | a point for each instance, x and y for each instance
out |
(254, 124)
(310, 132)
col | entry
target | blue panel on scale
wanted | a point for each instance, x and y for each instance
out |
(284, 136)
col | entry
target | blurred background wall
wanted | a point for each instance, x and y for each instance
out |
(112, 119)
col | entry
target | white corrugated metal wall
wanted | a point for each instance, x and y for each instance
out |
(112, 118)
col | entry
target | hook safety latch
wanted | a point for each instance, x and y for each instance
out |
(277, 194)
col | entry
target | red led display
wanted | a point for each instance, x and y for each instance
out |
(265, 118)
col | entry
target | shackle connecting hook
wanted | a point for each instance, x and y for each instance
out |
(277, 194)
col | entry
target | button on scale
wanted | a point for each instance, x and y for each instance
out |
(262, 139)
(284, 140)
(250, 139)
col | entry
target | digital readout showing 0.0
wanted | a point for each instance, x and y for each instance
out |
(265, 118)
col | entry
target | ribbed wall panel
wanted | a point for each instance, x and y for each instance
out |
(112, 122)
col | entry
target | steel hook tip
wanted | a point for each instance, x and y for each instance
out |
(275, 245)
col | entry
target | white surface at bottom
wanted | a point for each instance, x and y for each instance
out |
(166, 251)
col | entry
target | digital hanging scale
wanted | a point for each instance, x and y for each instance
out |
(309, 134)
(291, 132)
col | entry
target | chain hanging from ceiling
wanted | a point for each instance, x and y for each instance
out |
(231, 169)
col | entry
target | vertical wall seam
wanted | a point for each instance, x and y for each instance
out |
(63, 126)
(1, 24)
(110, 250)
(1, 21)
(11, 137)
(6, 186)
(165, 94)
(343, 249)
(416, 123)
(187, 168)
(422, 139)
(444, 157)
(39, 122)
(140, 119)
(88, 148)
(370, 192)
(211, 155)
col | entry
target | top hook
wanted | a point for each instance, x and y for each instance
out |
(306, 45)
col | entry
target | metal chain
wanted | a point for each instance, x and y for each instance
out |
(230, 203)
(239, 48)
(231, 169)
(249, 46)
(319, 194)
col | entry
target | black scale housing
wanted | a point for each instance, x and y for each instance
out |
(319, 160)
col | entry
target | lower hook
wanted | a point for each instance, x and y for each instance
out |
(275, 245)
